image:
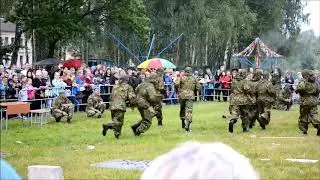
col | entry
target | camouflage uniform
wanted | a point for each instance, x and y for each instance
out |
(186, 86)
(146, 98)
(95, 105)
(266, 97)
(309, 92)
(276, 82)
(253, 95)
(121, 93)
(160, 92)
(285, 98)
(62, 107)
(240, 101)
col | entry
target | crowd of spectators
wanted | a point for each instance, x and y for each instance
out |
(38, 83)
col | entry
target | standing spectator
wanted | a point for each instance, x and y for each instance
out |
(208, 77)
(289, 80)
(217, 85)
(225, 81)
(30, 74)
(58, 84)
(40, 85)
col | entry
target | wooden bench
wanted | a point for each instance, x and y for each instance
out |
(40, 115)
(14, 108)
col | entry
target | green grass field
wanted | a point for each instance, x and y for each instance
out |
(65, 144)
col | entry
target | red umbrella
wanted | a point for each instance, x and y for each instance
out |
(75, 63)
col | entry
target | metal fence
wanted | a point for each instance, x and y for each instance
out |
(79, 95)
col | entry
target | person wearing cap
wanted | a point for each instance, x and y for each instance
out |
(62, 107)
(309, 92)
(147, 97)
(187, 85)
(95, 105)
(121, 93)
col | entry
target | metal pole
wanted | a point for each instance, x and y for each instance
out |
(170, 44)
(151, 46)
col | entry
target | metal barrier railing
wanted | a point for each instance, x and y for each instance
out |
(208, 92)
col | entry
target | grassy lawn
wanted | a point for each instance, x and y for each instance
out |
(65, 144)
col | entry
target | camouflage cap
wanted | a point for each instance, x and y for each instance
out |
(123, 78)
(188, 70)
(306, 73)
(266, 75)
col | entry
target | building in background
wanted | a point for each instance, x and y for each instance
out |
(7, 34)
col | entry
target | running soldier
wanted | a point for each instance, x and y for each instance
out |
(160, 92)
(239, 101)
(309, 92)
(146, 98)
(187, 85)
(266, 97)
(95, 105)
(62, 107)
(285, 98)
(121, 93)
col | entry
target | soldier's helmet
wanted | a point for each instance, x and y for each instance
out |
(312, 77)
(242, 74)
(265, 75)
(153, 78)
(124, 79)
(160, 71)
(257, 74)
(305, 74)
(188, 70)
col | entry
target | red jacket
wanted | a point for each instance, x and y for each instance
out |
(225, 82)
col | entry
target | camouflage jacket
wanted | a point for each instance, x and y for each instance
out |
(285, 94)
(147, 95)
(93, 101)
(59, 103)
(309, 92)
(252, 92)
(266, 92)
(121, 93)
(187, 85)
(160, 86)
(240, 92)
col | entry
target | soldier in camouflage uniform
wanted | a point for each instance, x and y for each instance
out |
(95, 105)
(62, 107)
(146, 98)
(121, 93)
(187, 85)
(276, 82)
(160, 91)
(266, 97)
(254, 84)
(309, 92)
(285, 98)
(239, 101)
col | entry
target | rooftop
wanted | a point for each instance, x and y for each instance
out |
(7, 26)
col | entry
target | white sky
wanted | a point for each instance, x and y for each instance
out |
(313, 7)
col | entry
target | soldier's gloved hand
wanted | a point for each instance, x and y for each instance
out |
(152, 110)
(64, 113)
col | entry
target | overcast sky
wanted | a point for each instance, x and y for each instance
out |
(313, 7)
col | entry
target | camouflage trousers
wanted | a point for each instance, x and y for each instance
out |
(158, 108)
(145, 123)
(242, 112)
(264, 110)
(99, 110)
(186, 107)
(252, 114)
(67, 109)
(117, 121)
(308, 114)
(284, 106)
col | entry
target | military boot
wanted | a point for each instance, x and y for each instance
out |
(69, 120)
(187, 125)
(245, 129)
(58, 119)
(318, 132)
(160, 122)
(105, 128)
(134, 129)
(117, 136)
(99, 115)
(231, 123)
(183, 125)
